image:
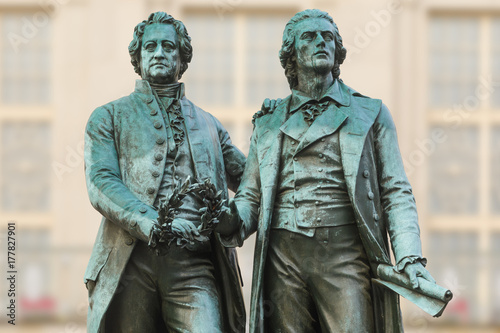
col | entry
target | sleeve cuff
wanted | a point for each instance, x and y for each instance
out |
(399, 268)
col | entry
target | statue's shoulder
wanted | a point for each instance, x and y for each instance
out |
(186, 102)
(264, 113)
(194, 110)
(356, 94)
(122, 102)
(359, 100)
(110, 111)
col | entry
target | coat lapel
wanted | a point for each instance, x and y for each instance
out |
(199, 143)
(326, 123)
(270, 136)
(295, 127)
(269, 153)
(352, 137)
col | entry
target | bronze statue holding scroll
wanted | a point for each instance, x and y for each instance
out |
(323, 186)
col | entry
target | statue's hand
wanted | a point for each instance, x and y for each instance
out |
(417, 270)
(269, 105)
(229, 221)
(185, 229)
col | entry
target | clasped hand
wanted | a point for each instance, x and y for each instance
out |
(185, 229)
(417, 270)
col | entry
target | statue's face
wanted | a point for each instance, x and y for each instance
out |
(315, 45)
(160, 59)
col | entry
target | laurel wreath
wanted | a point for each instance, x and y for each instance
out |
(162, 236)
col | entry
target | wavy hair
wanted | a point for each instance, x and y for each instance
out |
(185, 48)
(287, 53)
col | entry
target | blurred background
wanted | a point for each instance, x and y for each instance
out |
(436, 64)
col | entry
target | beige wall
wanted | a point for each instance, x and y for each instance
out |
(90, 66)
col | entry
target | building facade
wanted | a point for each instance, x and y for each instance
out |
(436, 64)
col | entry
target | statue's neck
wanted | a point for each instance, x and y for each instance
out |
(170, 90)
(314, 84)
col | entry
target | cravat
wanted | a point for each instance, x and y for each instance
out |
(312, 109)
(172, 111)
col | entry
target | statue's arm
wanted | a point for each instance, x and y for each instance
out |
(234, 159)
(241, 218)
(107, 192)
(398, 202)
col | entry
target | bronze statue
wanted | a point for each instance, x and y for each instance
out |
(137, 149)
(323, 185)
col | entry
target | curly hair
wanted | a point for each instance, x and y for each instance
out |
(287, 53)
(185, 48)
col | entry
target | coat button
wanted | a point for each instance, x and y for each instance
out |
(366, 173)
(318, 219)
(376, 217)
(323, 140)
(150, 100)
(317, 203)
(129, 241)
(160, 141)
(158, 125)
(143, 209)
(293, 142)
(296, 205)
(370, 195)
(153, 113)
(151, 190)
(320, 170)
(176, 177)
(158, 157)
(295, 159)
(320, 155)
(156, 174)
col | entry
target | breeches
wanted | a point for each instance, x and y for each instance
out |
(171, 293)
(317, 284)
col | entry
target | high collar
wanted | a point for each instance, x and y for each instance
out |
(143, 87)
(334, 93)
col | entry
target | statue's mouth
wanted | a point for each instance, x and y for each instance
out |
(159, 64)
(321, 52)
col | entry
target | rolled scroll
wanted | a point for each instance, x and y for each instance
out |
(429, 296)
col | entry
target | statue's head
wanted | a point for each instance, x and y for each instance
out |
(311, 41)
(161, 49)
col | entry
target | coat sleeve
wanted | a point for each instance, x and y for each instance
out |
(397, 200)
(234, 159)
(107, 192)
(245, 206)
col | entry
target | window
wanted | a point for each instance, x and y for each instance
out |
(25, 63)
(26, 129)
(495, 64)
(235, 65)
(25, 156)
(454, 67)
(463, 187)
(26, 115)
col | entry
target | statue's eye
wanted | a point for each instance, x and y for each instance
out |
(150, 46)
(328, 37)
(168, 47)
(307, 36)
